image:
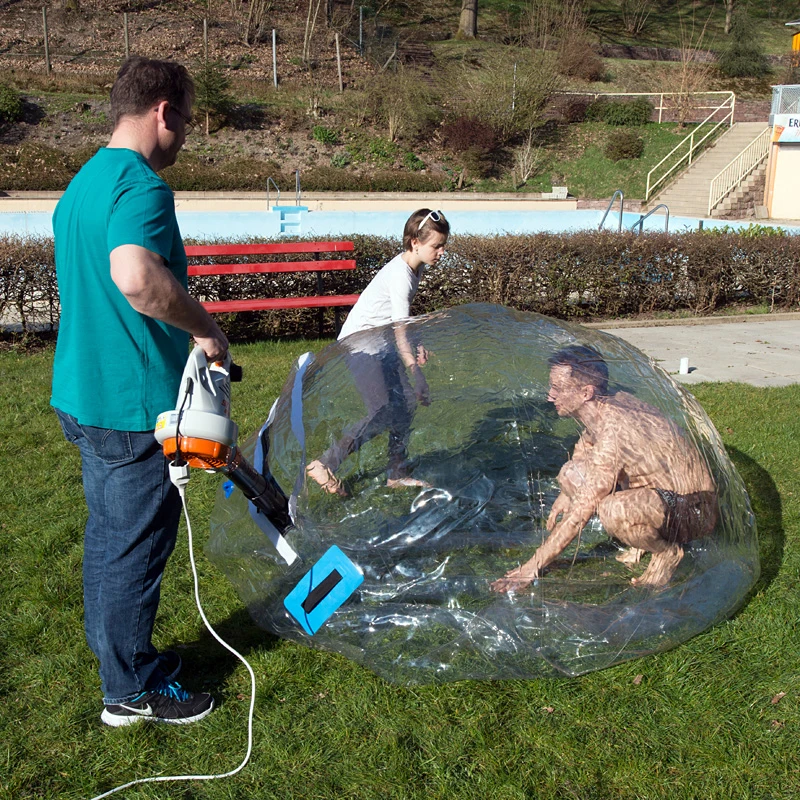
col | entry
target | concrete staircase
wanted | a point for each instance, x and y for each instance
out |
(687, 196)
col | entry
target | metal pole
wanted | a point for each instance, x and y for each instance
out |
(46, 43)
(297, 187)
(514, 90)
(205, 39)
(274, 58)
(127, 38)
(339, 64)
(361, 30)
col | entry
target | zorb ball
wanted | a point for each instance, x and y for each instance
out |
(490, 446)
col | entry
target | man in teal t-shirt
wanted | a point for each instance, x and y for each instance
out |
(126, 318)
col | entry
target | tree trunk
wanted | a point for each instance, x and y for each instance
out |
(728, 15)
(468, 22)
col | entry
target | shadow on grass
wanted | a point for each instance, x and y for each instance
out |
(206, 660)
(768, 509)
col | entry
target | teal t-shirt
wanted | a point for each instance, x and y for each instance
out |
(114, 367)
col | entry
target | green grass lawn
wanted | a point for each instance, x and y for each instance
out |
(703, 721)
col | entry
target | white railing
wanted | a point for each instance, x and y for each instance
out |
(738, 169)
(693, 142)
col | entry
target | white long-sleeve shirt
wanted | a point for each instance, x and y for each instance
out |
(386, 299)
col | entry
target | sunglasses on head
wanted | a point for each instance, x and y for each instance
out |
(436, 216)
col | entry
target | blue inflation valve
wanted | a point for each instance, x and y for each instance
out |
(323, 589)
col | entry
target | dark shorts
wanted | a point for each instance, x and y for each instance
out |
(688, 516)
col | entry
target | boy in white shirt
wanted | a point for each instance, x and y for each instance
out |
(378, 365)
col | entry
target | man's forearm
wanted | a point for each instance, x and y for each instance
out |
(172, 304)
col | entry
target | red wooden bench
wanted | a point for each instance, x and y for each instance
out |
(317, 265)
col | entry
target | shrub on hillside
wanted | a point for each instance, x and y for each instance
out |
(325, 135)
(581, 62)
(628, 114)
(10, 104)
(572, 109)
(632, 113)
(463, 133)
(37, 167)
(622, 145)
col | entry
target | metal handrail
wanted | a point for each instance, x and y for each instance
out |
(297, 192)
(278, 201)
(621, 204)
(730, 176)
(640, 221)
(693, 146)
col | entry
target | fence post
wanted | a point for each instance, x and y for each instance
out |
(205, 40)
(46, 43)
(660, 107)
(339, 64)
(127, 39)
(361, 31)
(274, 59)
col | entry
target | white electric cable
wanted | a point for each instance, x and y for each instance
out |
(180, 477)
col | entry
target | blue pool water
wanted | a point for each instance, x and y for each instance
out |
(328, 224)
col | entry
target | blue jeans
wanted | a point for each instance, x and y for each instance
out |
(130, 534)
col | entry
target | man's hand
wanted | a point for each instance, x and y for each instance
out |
(422, 356)
(214, 344)
(517, 578)
(560, 506)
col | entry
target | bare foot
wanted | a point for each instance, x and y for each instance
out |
(661, 568)
(327, 481)
(399, 483)
(630, 556)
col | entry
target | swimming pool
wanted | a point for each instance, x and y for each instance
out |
(296, 221)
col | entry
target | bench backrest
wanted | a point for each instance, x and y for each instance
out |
(279, 248)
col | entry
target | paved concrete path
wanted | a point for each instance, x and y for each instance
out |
(762, 351)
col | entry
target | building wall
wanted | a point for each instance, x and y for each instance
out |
(785, 200)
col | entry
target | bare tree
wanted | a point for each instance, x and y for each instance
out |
(250, 17)
(635, 14)
(692, 75)
(311, 22)
(468, 21)
(528, 158)
(728, 15)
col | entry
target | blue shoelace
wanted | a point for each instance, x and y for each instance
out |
(173, 690)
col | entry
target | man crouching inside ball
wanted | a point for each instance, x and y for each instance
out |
(632, 466)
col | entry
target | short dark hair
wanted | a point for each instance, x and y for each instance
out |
(585, 363)
(412, 230)
(142, 82)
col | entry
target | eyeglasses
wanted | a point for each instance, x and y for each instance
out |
(188, 121)
(436, 216)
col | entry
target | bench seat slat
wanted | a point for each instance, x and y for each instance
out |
(282, 266)
(277, 303)
(267, 248)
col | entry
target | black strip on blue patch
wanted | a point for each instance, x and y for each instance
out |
(320, 591)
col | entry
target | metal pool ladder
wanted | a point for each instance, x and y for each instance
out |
(621, 205)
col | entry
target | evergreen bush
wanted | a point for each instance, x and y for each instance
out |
(633, 113)
(745, 56)
(10, 104)
(624, 144)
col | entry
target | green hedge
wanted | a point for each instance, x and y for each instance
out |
(580, 275)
